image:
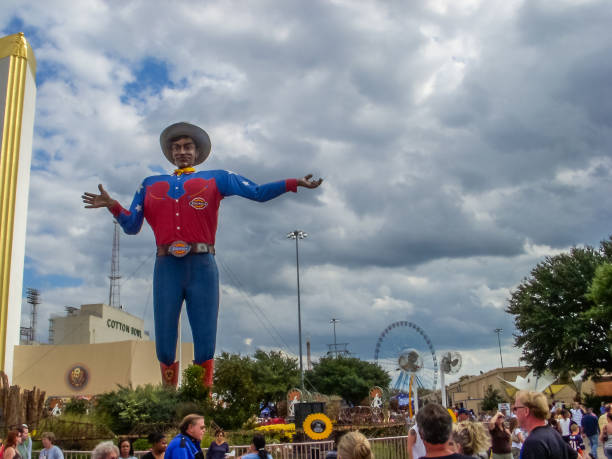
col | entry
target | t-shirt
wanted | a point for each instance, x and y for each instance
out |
(565, 426)
(254, 456)
(25, 448)
(589, 424)
(603, 420)
(418, 449)
(52, 453)
(452, 456)
(216, 451)
(544, 442)
(576, 443)
(500, 441)
(515, 434)
(577, 414)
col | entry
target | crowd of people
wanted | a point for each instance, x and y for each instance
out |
(533, 430)
(18, 445)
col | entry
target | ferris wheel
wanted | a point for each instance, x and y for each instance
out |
(405, 351)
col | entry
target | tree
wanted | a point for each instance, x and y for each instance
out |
(274, 373)
(234, 385)
(491, 399)
(558, 328)
(191, 389)
(600, 292)
(349, 377)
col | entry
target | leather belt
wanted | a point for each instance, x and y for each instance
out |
(181, 248)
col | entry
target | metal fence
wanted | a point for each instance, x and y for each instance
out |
(383, 448)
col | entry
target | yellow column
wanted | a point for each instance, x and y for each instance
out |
(17, 95)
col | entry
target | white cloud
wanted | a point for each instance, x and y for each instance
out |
(460, 142)
(387, 303)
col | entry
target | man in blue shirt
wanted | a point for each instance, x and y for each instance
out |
(590, 428)
(186, 445)
(50, 451)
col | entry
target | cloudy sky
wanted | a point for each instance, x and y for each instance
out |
(460, 142)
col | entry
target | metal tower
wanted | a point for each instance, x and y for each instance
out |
(33, 296)
(114, 299)
(337, 348)
(27, 335)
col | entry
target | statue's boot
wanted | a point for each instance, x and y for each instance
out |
(207, 375)
(169, 374)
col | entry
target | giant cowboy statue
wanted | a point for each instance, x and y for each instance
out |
(182, 210)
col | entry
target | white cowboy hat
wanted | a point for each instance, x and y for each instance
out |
(197, 134)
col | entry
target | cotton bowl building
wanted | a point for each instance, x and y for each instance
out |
(92, 350)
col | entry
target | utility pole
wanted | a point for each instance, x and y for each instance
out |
(298, 234)
(498, 331)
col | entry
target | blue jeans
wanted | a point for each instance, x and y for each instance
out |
(593, 442)
(194, 279)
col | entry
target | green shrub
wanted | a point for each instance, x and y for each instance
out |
(141, 444)
(125, 408)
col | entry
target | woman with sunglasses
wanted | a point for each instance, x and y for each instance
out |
(501, 445)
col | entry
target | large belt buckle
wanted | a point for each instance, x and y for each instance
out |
(179, 249)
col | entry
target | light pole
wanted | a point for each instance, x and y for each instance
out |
(333, 321)
(298, 234)
(498, 331)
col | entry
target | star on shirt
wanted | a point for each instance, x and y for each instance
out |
(245, 183)
(138, 208)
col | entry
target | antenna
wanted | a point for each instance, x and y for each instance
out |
(114, 293)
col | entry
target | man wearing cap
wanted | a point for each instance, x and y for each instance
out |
(463, 415)
(25, 447)
(182, 209)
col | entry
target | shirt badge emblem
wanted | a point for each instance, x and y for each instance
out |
(198, 203)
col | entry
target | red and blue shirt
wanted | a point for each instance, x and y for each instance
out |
(185, 207)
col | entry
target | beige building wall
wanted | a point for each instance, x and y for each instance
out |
(106, 365)
(470, 391)
(97, 323)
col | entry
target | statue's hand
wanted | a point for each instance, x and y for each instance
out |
(92, 200)
(306, 182)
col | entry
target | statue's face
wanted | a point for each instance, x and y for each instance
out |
(183, 152)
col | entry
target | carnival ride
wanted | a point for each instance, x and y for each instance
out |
(405, 351)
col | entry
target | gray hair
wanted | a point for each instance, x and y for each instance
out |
(104, 450)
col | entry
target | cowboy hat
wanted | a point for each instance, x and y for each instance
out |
(197, 134)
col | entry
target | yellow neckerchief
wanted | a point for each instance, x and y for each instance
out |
(184, 170)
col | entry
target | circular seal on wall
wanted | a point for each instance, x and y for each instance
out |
(77, 377)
